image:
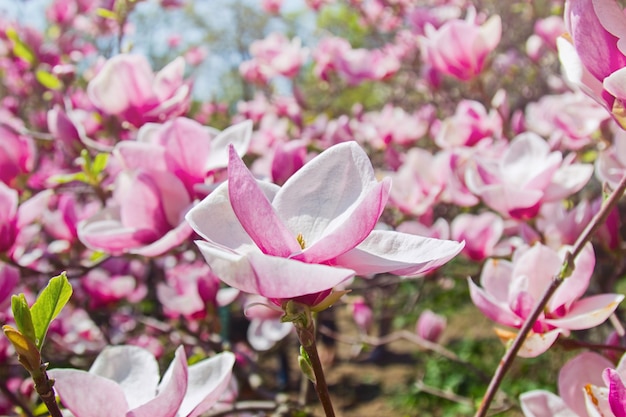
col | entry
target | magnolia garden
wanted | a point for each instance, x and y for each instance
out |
(313, 208)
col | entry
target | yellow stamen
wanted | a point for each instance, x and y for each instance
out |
(301, 241)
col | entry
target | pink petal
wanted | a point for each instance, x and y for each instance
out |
(538, 265)
(171, 390)
(578, 372)
(105, 232)
(496, 278)
(398, 253)
(208, 380)
(169, 79)
(492, 308)
(168, 241)
(576, 284)
(133, 368)
(255, 212)
(140, 155)
(617, 393)
(140, 203)
(124, 81)
(270, 276)
(539, 403)
(588, 312)
(89, 395)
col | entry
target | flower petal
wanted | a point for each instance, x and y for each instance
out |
(133, 368)
(89, 395)
(540, 403)
(238, 135)
(398, 253)
(578, 372)
(255, 212)
(617, 393)
(350, 228)
(496, 310)
(588, 312)
(325, 189)
(170, 392)
(537, 343)
(208, 379)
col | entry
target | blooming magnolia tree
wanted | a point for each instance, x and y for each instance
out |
(407, 167)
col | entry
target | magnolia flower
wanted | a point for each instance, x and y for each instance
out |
(127, 87)
(525, 176)
(460, 47)
(124, 381)
(578, 378)
(510, 290)
(310, 235)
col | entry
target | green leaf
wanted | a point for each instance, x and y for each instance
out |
(65, 178)
(48, 80)
(20, 49)
(21, 314)
(49, 304)
(99, 163)
(106, 13)
(27, 353)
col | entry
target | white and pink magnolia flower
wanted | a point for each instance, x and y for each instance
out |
(301, 240)
(527, 175)
(124, 381)
(510, 291)
(568, 120)
(127, 87)
(460, 47)
(272, 56)
(578, 378)
(470, 124)
(594, 54)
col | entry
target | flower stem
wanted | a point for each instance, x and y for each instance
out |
(306, 334)
(557, 280)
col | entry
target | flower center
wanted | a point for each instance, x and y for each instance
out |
(301, 241)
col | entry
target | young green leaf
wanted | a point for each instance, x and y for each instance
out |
(28, 354)
(48, 80)
(49, 304)
(21, 314)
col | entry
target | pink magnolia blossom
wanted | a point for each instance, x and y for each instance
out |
(127, 87)
(470, 124)
(124, 381)
(527, 175)
(190, 289)
(272, 56)
(511, 289)
(577, 378)
(18, 152)
(362, 314)
(460, 47)
(430, 325)
(611, 163)
(8, 217)
(271, 6)
(568, 120)
(161, 173)
(594, 55)
(301, 240)
(481, 234)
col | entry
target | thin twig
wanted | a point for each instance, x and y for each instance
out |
(557, 280)
(243, 406)
(402, 335)
(446, 395)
